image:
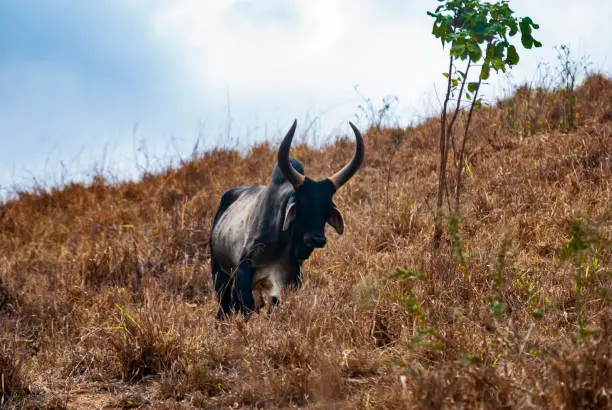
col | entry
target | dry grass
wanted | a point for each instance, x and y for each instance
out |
(106, 299)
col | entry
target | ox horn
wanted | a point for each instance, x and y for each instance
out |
(341, 177)
(285, 166)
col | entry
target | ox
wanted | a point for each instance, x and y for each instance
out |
(262, 234)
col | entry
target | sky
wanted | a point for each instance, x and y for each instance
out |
(124, 86)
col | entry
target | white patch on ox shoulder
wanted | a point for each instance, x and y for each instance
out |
(269, 280)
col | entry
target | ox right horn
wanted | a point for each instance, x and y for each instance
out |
(341, 177)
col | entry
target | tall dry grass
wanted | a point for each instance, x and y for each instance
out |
(106, 298)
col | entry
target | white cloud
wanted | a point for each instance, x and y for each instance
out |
(317, 50)
(314, 46)
(281, 59)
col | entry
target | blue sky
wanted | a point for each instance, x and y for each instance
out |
(75, 78)
(107, 84)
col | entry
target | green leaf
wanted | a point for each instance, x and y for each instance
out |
(499, 50)
(479, 28)
(408, 274)
(498, 64)
(472, 87)
(436, 30)
(457, 50)
(513, 57)
(527, 40)
(443, 32)
(485, 71)
(489, 31)
(127, 315)
(513, 28)
(578, 241)
(476, 55)
(472, 46)
(498, 308)
(537, 43)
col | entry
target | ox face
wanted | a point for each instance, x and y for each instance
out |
(311, 208)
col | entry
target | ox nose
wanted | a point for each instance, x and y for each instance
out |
(317, 241)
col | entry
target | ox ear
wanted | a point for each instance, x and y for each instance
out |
(290, 214)
(335, 220)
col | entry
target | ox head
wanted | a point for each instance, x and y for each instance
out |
(312, 206)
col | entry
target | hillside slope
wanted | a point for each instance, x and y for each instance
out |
(106, 299)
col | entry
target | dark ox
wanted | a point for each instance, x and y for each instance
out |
(262, 234)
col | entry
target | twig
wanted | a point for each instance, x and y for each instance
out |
(525, 341)
(462, 152)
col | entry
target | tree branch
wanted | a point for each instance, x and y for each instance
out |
(462, 151)
(449, 132)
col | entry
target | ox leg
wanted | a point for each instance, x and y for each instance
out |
(296, 279)
(273, 304)
(243, 299)
(223, 290)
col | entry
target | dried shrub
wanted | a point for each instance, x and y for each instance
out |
(13, 382)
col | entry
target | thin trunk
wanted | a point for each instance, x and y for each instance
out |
(442, 171)
(462, 151)
(449, 131)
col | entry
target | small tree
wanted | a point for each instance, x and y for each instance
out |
(478, 32)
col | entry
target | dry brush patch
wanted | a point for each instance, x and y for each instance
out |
(106, 298)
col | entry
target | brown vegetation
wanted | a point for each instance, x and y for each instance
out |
(106, 299)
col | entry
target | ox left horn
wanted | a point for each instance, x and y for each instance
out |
(285, 166)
